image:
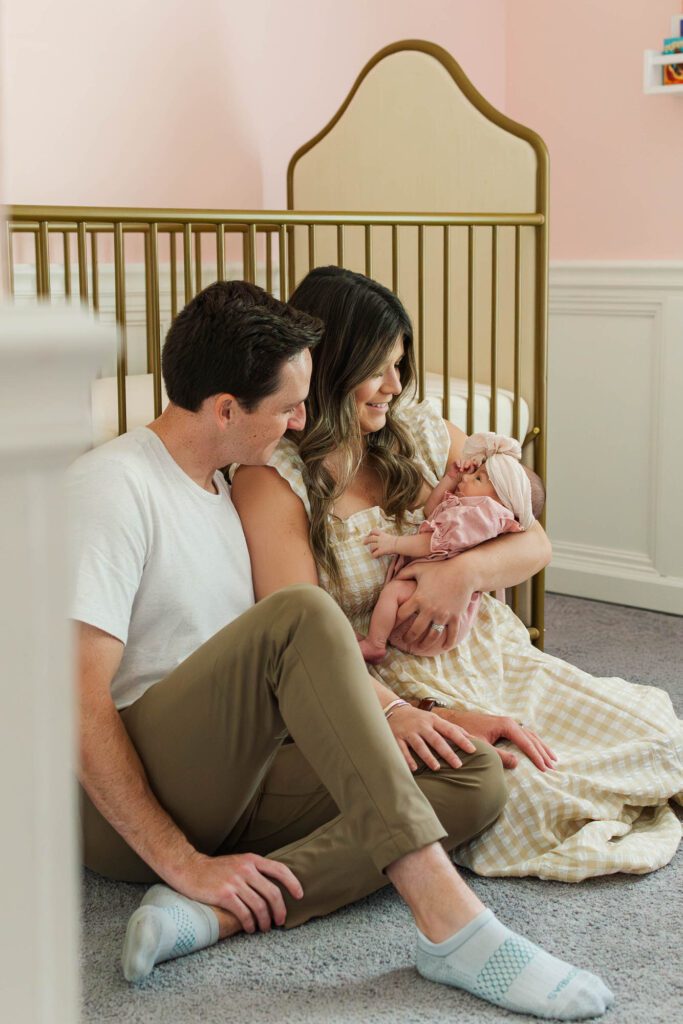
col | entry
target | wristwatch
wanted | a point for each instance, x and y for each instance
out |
(428, 703)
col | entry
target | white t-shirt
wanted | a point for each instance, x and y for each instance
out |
(160, 563)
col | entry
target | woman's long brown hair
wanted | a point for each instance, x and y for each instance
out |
(363, 321)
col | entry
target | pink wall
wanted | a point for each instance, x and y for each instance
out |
(575, 75)
(166, 103)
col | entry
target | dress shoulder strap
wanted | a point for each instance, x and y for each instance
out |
(431, 437)
(285, 459)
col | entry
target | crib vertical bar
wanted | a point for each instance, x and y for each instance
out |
(291, 258)
(187, 261)
(220, 251)
(368, 250)
(267, 238)
(173, 268)
(10, 260)
(120, 303)
(282, 256)
(540, 372)
(95, 272)
(421, 352)
(446, 320)
(250, 254)
(66, 244)
(340, 245)
(311, 246)
(470, 330)
(44, 260)
(153, 235)
(493, 409)
(82, 263)
(149, 301)
(518, 313)
(198, 259)
(394, 258)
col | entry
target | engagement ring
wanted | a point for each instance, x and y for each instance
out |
(437, 627)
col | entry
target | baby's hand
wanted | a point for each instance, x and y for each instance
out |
(462, 466)
(380, 543)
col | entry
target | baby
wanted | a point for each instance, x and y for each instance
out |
(486, 494)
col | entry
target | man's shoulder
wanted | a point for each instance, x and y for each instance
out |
(118, 466)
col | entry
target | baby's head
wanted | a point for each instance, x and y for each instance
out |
(477, 483)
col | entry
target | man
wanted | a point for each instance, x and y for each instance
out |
(188, 692)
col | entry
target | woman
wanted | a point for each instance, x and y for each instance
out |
(367, 458)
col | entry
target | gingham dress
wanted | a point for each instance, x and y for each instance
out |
(620, 746)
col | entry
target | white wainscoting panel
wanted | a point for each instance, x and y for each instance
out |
(615, 432)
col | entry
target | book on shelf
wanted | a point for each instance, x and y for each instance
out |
(672, 74)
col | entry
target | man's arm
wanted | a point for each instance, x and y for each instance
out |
(114, 778)
(111, 772)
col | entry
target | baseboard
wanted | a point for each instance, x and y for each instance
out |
(608, 574)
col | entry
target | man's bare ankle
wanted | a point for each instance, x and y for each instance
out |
(228, 924)
(440, 901)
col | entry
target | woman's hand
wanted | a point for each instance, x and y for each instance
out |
(428, 735)
(380, 543)
(498, 727)
(435, 602)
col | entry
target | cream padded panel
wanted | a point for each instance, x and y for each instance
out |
(410, 140)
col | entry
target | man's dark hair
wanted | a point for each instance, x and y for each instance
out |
(233, 337)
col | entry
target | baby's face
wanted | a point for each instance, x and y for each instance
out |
(476, 485)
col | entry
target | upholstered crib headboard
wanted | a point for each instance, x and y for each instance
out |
(415, 135)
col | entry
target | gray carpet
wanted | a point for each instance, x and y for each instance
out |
(357, 965)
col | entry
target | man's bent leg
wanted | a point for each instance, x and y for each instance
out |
(333, 870)
(208, 733)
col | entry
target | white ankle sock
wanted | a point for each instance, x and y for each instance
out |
(496, 964)
(165, 925)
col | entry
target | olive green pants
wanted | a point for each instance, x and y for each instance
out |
(336, 805)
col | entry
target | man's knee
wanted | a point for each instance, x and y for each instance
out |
(493, 791)
(310, 607)
(481, 793)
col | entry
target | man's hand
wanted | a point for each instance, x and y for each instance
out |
(380, 543)
(241, 884)
(428, 735)
(432, 602)
(498, 727)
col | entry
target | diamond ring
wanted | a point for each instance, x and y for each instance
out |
(437, 627)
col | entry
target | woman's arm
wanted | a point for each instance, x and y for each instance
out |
(499, 563)
(275, 524)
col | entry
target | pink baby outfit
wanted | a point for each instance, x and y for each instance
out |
(456, 525)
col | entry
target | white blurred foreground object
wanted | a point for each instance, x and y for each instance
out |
(47, 360)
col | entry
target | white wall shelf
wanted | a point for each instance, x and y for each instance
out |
(652, 75)
(655, 60)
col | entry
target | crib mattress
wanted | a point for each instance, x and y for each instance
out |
(140, 405)
(457, 414)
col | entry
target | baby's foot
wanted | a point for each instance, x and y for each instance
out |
(373, 653)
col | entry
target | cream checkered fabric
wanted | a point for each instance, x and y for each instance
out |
(620, 746)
